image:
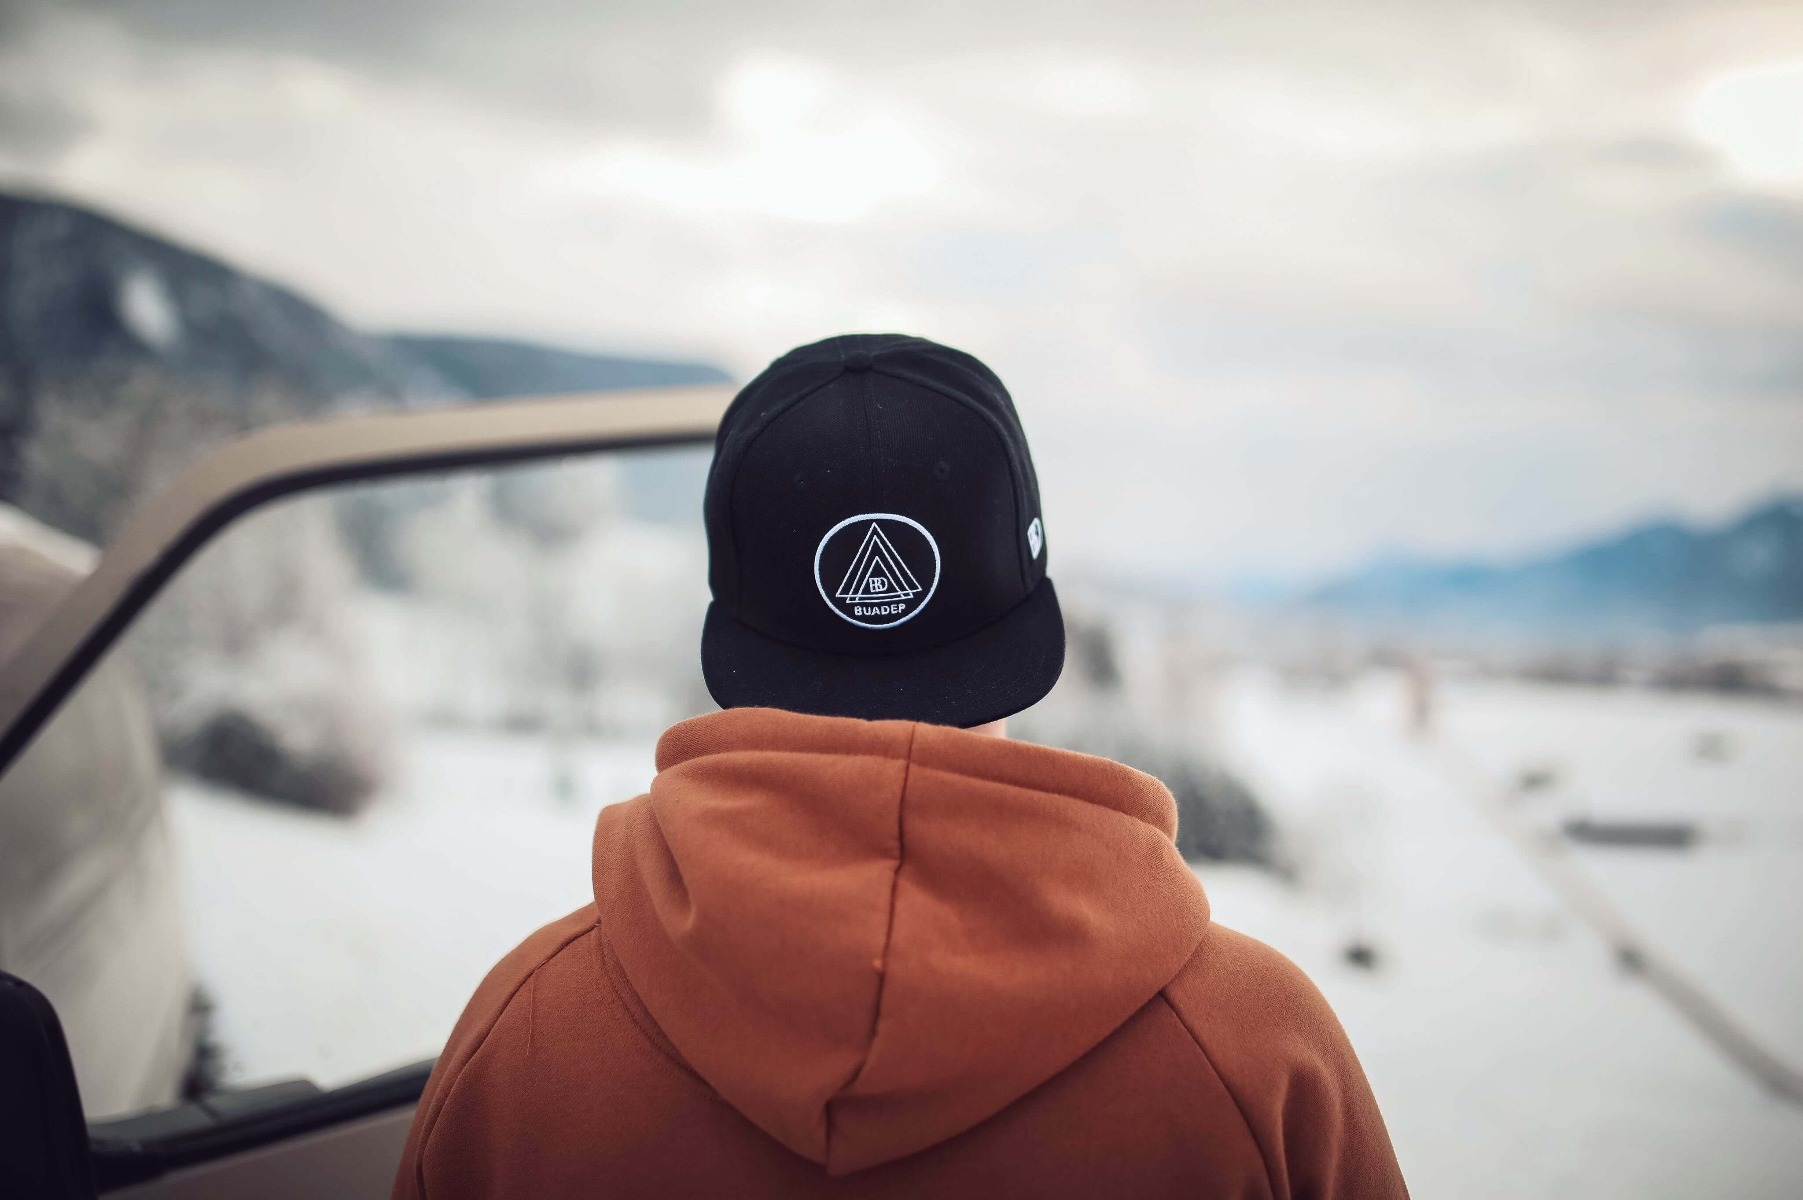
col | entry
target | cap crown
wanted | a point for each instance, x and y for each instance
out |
(873, 494)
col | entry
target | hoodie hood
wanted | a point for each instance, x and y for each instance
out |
(869, 936)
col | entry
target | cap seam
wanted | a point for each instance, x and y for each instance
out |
(873, 442)
(739, 454)
(1017, 466)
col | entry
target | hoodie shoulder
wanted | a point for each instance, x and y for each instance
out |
(1286, 1061)
(484, 1012)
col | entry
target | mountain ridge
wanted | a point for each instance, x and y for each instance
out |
(1662, 576)
(124, 355)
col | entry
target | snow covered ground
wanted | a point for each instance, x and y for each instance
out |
(1511, 1055)
(1730, 910)
(335, 948)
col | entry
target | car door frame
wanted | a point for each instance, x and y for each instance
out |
(292, 1137)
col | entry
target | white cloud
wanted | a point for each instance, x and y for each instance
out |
(1274, 284)
(796, 143)
(1754, 116)
(1074, 85)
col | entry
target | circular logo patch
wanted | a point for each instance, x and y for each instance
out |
(877, 569)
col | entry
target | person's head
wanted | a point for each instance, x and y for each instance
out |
(875, 542)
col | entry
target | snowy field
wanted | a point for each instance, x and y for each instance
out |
(338, 948)
(1511, 1055)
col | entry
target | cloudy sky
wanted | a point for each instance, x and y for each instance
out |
(1278, 286)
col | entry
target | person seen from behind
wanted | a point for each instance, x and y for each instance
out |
(855, 942)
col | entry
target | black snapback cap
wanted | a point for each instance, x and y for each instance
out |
(875, 545)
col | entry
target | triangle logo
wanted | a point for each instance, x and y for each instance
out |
(885, 567)
(877, 572)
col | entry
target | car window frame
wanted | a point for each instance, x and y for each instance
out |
(210, 497)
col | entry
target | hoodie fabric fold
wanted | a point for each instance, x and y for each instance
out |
(870, 939)
(852, 948)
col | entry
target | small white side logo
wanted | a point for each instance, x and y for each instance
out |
(1035, 536)
(887, 567)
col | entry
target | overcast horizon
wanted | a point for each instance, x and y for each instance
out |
(1278, 288)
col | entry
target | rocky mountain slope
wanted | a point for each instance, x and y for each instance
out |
(123, 356)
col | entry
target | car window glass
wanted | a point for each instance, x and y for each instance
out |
(343, 763)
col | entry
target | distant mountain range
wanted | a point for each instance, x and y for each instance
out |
(1663, 577)
(123, 355)
(489, 368)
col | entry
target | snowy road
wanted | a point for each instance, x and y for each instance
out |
(1511, 1055)
(1731, 909)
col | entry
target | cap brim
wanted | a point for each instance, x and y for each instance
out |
(995, 672)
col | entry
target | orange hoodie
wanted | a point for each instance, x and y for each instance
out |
(831, 957)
